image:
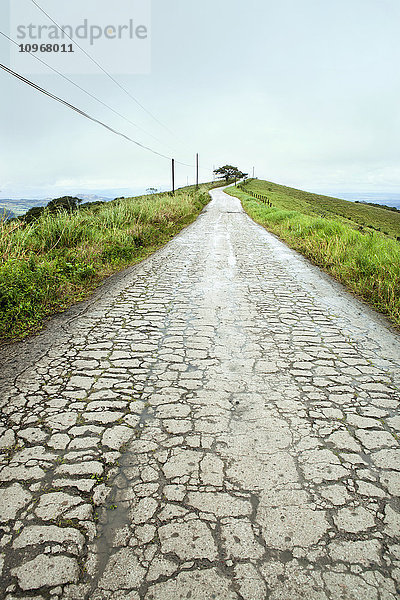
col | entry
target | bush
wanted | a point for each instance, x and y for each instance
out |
(24, 290)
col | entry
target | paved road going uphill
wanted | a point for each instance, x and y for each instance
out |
(218, 422)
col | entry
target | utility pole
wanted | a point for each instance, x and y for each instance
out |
(197, 171)
(173, 176)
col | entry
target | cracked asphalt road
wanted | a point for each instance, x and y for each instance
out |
(219, 422)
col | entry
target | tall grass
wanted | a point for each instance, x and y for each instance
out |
(357, 215)
(58, 259)
(366, 262)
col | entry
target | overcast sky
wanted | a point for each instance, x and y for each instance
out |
(305, 91)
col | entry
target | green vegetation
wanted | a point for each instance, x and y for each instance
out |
(357, 215)
(228, 172)
(66, 203)
(6, 213)
(385, 206)
(354, 244)
(60, 258)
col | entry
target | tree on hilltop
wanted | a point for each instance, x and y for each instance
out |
(228, 172)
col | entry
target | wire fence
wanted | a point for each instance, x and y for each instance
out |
(261, 197)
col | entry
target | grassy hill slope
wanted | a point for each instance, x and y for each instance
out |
(357, 215)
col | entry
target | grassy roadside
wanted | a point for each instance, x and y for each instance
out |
(363, 217)
(60, 259)
(362, 258)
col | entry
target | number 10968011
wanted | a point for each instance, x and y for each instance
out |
(46, 48)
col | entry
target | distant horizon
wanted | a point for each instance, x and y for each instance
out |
(388, 198)
(111, 193)
(107, 193)
(332, 194)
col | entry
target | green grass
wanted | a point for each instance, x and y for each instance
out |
(359, 216)
(59, 259)
(365, 260)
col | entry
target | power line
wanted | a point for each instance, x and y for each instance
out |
(104, 70)
(116, 83)
(84, 114)
(81, 112)
(82, 89)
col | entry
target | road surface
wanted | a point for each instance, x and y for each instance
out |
(219, 422)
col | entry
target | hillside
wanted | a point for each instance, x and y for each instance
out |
(19, 206)
(6, 214)
(357, 215)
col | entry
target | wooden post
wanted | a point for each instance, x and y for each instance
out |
(173, 176)
(197, 171)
